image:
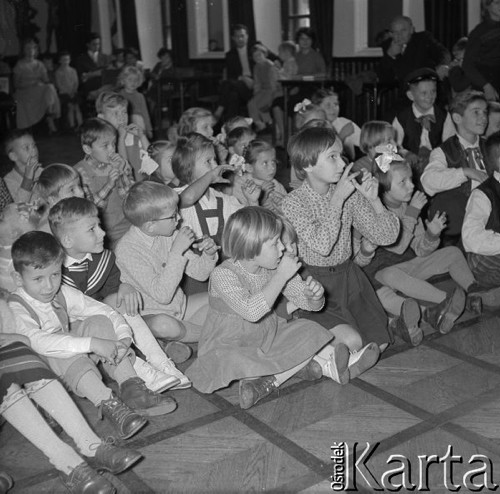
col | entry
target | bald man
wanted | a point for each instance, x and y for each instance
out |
(406, 51)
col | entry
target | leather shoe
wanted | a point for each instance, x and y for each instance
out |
(84, 480)
(253, 390)
(111, 458)
(442, 316)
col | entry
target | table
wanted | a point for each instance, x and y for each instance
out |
(181, 79)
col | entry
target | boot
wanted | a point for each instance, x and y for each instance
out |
(442, 316)
(126, 421)
(138, 397)
(154, 379)
(84, 480)
(406, 325)
(113, 459)
(6, 482)
(253, 390)
(363, 360)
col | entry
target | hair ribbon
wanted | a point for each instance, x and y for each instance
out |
(388, 154)
(302, 106)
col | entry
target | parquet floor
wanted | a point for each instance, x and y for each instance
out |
(416, 401)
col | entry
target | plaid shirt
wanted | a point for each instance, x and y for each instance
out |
(5, 197)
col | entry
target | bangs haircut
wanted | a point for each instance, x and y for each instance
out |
(236, 122)
(95, 128)
(36, 249)
(385, 179)
(53, 179)
(247, 229)
(69, 210)
(253, 150)
(189, 118)
(238, 133)
(374, 133)
(130, 71)
(110, 100)
(462, 100)
(305, 147)
(157, 148)
(187, 151)
(13, 136)
(492, 154)
(147, 201)
(320, 94)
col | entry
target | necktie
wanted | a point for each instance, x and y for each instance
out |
(475, 158)
(425, 121)
(79, 267)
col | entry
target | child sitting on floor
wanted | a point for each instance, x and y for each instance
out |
(106, 176)
(132, 141)
(244, 339)
(21, 148)
(405, 265)
(161, 152)
(481, 231)
(25, 378)
(347, 130)
(153, 257)
(323, 211)
(92, 269)
(73, 332)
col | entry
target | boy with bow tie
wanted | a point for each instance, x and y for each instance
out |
(423, 125)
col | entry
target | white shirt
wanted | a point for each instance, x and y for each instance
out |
(437, 177)
(245, 65)
(475, 237)
(448, 128)
(48, 337)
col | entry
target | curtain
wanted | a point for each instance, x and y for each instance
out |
(241, 12)
(129, 24)
(322, 24)
(446, 20)
(180, 43)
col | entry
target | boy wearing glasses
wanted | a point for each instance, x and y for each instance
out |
(153, 257)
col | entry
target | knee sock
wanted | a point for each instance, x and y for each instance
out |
(284, 376)
(146, 342)
(92, 388)
(56, 401)
(24, 416)
(390, 300)
(123, 371)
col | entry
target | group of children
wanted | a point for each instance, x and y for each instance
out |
(311, 283)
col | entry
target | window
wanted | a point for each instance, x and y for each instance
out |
(295, 14)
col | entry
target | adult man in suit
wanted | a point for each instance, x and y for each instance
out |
(406, 51)
(236, 88)
(90, 65)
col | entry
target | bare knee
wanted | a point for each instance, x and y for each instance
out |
(349, 336)
(387, 276)
(165, 326)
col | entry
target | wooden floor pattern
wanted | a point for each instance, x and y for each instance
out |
(416, 401)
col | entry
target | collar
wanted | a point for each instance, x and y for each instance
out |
(18, 170)
(69, 261)
(312, 192)
(32, 301)
(418, 113)
(496, 175)
(91, 160)
(242, 50)
(466, 144)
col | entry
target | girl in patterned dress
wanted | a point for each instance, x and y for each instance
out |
(244, 339)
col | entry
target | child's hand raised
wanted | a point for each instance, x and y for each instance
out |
(131, 299)
(216, 175)
(368, 186)
(134, 129)
(251, 191)
(288, 266)
(314, 289)
(345, 187)
(183, 241)
(437, 224)
(32, 166)
(117, 160)
(268, 187)
(114, 175)
(207, 245)
(123, 348)
(418, 200)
